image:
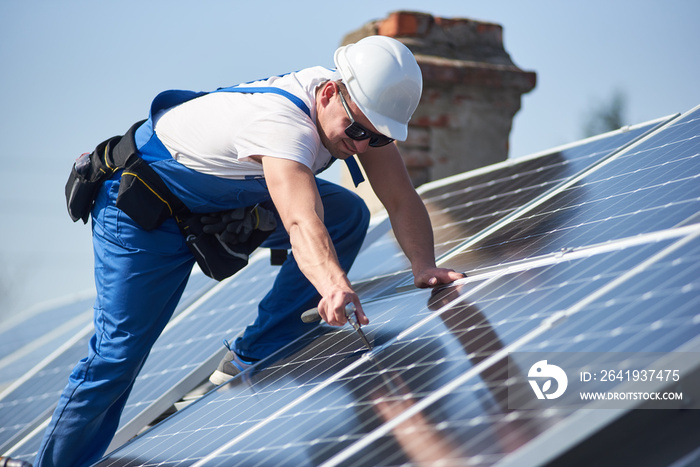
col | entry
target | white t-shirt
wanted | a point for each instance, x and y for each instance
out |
(217, 133)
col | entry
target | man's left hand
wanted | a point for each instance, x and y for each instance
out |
(433, 277)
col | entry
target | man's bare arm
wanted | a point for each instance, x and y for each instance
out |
(409, 218)
(295, 195)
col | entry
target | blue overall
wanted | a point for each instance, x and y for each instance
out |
(140, 277)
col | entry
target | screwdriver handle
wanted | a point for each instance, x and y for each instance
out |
(312, 315)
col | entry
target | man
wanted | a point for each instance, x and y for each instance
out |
(230, 149)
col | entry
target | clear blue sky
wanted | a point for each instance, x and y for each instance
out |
(77, 72)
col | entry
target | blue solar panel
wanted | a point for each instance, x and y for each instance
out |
(189, 350)
(461, 208)
(469, 414)
(30, 404)
(52, 326)
(26, 406)
(651, 186)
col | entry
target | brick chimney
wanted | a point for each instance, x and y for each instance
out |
(471, 92)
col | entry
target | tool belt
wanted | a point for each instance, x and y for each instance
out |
(147, 200)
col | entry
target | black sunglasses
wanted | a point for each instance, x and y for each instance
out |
(358, 132)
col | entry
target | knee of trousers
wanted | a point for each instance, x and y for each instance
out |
(92, 390)
(112, 374)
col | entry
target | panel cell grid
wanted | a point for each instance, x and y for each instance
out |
(34, 400)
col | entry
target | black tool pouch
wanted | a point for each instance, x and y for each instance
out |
(142, 197)
(86, 176)
(90, 170)
(216, 259)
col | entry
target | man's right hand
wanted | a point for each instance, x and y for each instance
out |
(332, 308)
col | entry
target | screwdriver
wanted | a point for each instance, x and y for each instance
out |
(312, 315)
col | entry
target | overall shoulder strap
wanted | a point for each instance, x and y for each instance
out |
(352, 164)
(171, 98)
(151, 148)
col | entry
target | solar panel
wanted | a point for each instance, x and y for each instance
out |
(471, 206)
(190, 348)
(23, 343)
(30, 401)
(650, 186)
(462, 206)
(606, 253)
(27, 405)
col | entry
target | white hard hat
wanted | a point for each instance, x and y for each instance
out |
(384, 80)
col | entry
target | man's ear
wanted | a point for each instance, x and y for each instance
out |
(328, 91)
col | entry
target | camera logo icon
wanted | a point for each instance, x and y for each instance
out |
(545, 373)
